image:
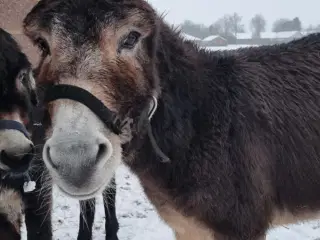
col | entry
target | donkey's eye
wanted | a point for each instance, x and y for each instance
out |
(130, 41)
(43, 46)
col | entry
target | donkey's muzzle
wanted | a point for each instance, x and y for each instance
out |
(17, 163)
(16, 148)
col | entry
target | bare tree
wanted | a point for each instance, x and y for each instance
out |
(223, 25)
(279, 25)
(287, 25)
(215, 28)
(195, 29)
(296, 24)
(236, 26)
(257, 25)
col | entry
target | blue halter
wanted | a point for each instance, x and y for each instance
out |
(14, 125)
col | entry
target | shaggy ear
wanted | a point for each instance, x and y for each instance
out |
(151, 41)
(21, 81)
(25, 84)
(32, 87)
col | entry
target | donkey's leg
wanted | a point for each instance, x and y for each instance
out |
(109, 201)
(86, 219)
(38, 205)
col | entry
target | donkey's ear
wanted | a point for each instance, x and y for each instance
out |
(26, 85)
(21, 81)
(32, 88)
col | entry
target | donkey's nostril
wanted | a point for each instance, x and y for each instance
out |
(31, 147)
(48, 156)
(19, 152)
(102, 152)
(26, 159)
(18, 161)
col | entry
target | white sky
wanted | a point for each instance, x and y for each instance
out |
(208, 11)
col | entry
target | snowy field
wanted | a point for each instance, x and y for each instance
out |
(230, 47)
(138, 219)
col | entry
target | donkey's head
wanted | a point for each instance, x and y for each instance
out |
(17, 95)
(107, 48)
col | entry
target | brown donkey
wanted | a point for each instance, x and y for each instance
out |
(226, 144)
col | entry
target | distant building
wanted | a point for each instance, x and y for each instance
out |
(248, 38)
(214, 40)
(244, 36)
(267, 38)
(267, 35)
(287, 36)
(229, 47)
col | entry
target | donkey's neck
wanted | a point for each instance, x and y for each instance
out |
(182, 81)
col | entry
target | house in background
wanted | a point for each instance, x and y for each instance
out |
(248, 39)
(267, 38)
(287, 36)
(244, 38)
(214, 40)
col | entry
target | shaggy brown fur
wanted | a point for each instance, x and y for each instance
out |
(242, 128)
(10, 214)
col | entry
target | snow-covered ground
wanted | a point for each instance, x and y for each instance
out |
(230, 47)
(138, 219)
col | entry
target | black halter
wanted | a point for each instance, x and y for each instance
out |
(108, 117)
(13, 125)
(80, 95)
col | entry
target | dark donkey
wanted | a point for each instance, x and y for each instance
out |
(87, 207)
(226, 144)
(87, 213)
(17, 101)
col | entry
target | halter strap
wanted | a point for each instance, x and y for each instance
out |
(108, 117)
(13, 125)
(86, 98)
